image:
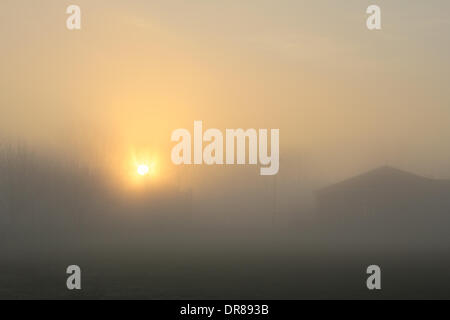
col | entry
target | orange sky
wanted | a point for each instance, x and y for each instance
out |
(345, 99)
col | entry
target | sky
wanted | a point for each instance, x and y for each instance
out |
(345, 99)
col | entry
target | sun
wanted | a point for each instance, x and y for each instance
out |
(143, 169)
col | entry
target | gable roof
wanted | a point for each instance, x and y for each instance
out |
(380, 177)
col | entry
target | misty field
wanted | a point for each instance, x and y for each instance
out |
(55, 214)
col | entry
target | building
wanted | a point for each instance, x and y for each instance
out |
(387, 196)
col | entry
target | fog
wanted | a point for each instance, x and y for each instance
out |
(80, 109)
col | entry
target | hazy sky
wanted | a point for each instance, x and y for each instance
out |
(344, 98)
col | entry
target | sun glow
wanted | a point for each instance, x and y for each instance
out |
(143, 169)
